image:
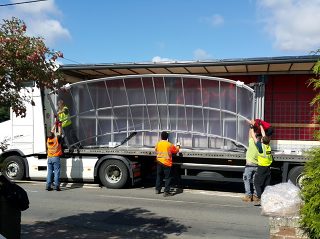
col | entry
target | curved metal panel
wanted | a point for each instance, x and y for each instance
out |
(199, 111)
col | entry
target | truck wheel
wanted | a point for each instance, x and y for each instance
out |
(13, 168)
(113, 174)
(296, 175)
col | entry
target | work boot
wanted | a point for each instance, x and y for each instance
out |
(258, 202)
(158, 191)
(246, 198)
(168, 194)
(255, 198)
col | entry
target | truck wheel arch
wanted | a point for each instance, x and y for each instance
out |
(112, 157)
(114, 174)
(296, 175)
(13, 168)
(15, 152)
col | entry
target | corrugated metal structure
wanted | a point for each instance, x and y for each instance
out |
(199, 111)
(280, 83)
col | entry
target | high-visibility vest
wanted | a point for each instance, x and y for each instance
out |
(164, 150)
(54, 148)
(252, 153)
(265, 158)
(65, 117)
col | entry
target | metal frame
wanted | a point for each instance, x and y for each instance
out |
(166, 104)
(91, 71)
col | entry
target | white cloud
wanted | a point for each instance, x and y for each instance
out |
(200, 54)
(161, 59)
(41, 18)
(292, 23)
(214, 20)
(37, 8)
(50, 29)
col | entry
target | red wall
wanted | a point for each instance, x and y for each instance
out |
(287, 105)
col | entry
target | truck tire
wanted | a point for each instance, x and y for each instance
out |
(113, 174)
(13, 168)
(296, 175)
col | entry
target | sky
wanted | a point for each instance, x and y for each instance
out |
(127, 31)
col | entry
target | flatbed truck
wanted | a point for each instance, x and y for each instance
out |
(206, 154)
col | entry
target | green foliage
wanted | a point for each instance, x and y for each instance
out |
(315, 82)
(23, 59)
(4, 113)
(310, 212)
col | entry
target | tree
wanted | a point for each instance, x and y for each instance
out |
(310, 211)
(24, 59)
(4, 113)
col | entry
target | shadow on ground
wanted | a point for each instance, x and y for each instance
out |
(236, 187)
(223, 186)
(68, 186)
(127, 223)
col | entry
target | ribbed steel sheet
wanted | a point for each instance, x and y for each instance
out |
(198, 111)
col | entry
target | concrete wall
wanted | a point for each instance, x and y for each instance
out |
(286, 228)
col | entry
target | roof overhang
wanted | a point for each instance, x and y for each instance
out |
(225, 67)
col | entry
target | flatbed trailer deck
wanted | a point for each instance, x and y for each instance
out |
(214, 165)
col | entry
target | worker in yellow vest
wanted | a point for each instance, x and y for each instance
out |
(64, 118)
(250, 168)
(164, 150)
(54, 153)
(263, 175)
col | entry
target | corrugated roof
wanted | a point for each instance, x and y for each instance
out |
(224, 67)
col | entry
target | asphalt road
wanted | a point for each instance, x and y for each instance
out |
(88, 211)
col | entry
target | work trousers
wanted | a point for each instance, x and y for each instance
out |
(70, 135)
(262, 179)
(176, 176)
(163, 172)
(53, 168)
(248, 177)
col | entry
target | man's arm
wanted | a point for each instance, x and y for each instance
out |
(262, 131)
(64, 110)
(259, 147)
(251, 122)
(58, 133)
(53, 128)
(258, 143)
(59, 130)
(252, 134)
(60, 111)
(175, 149)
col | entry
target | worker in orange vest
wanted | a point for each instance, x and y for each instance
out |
(54, 153)
(164, 150)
